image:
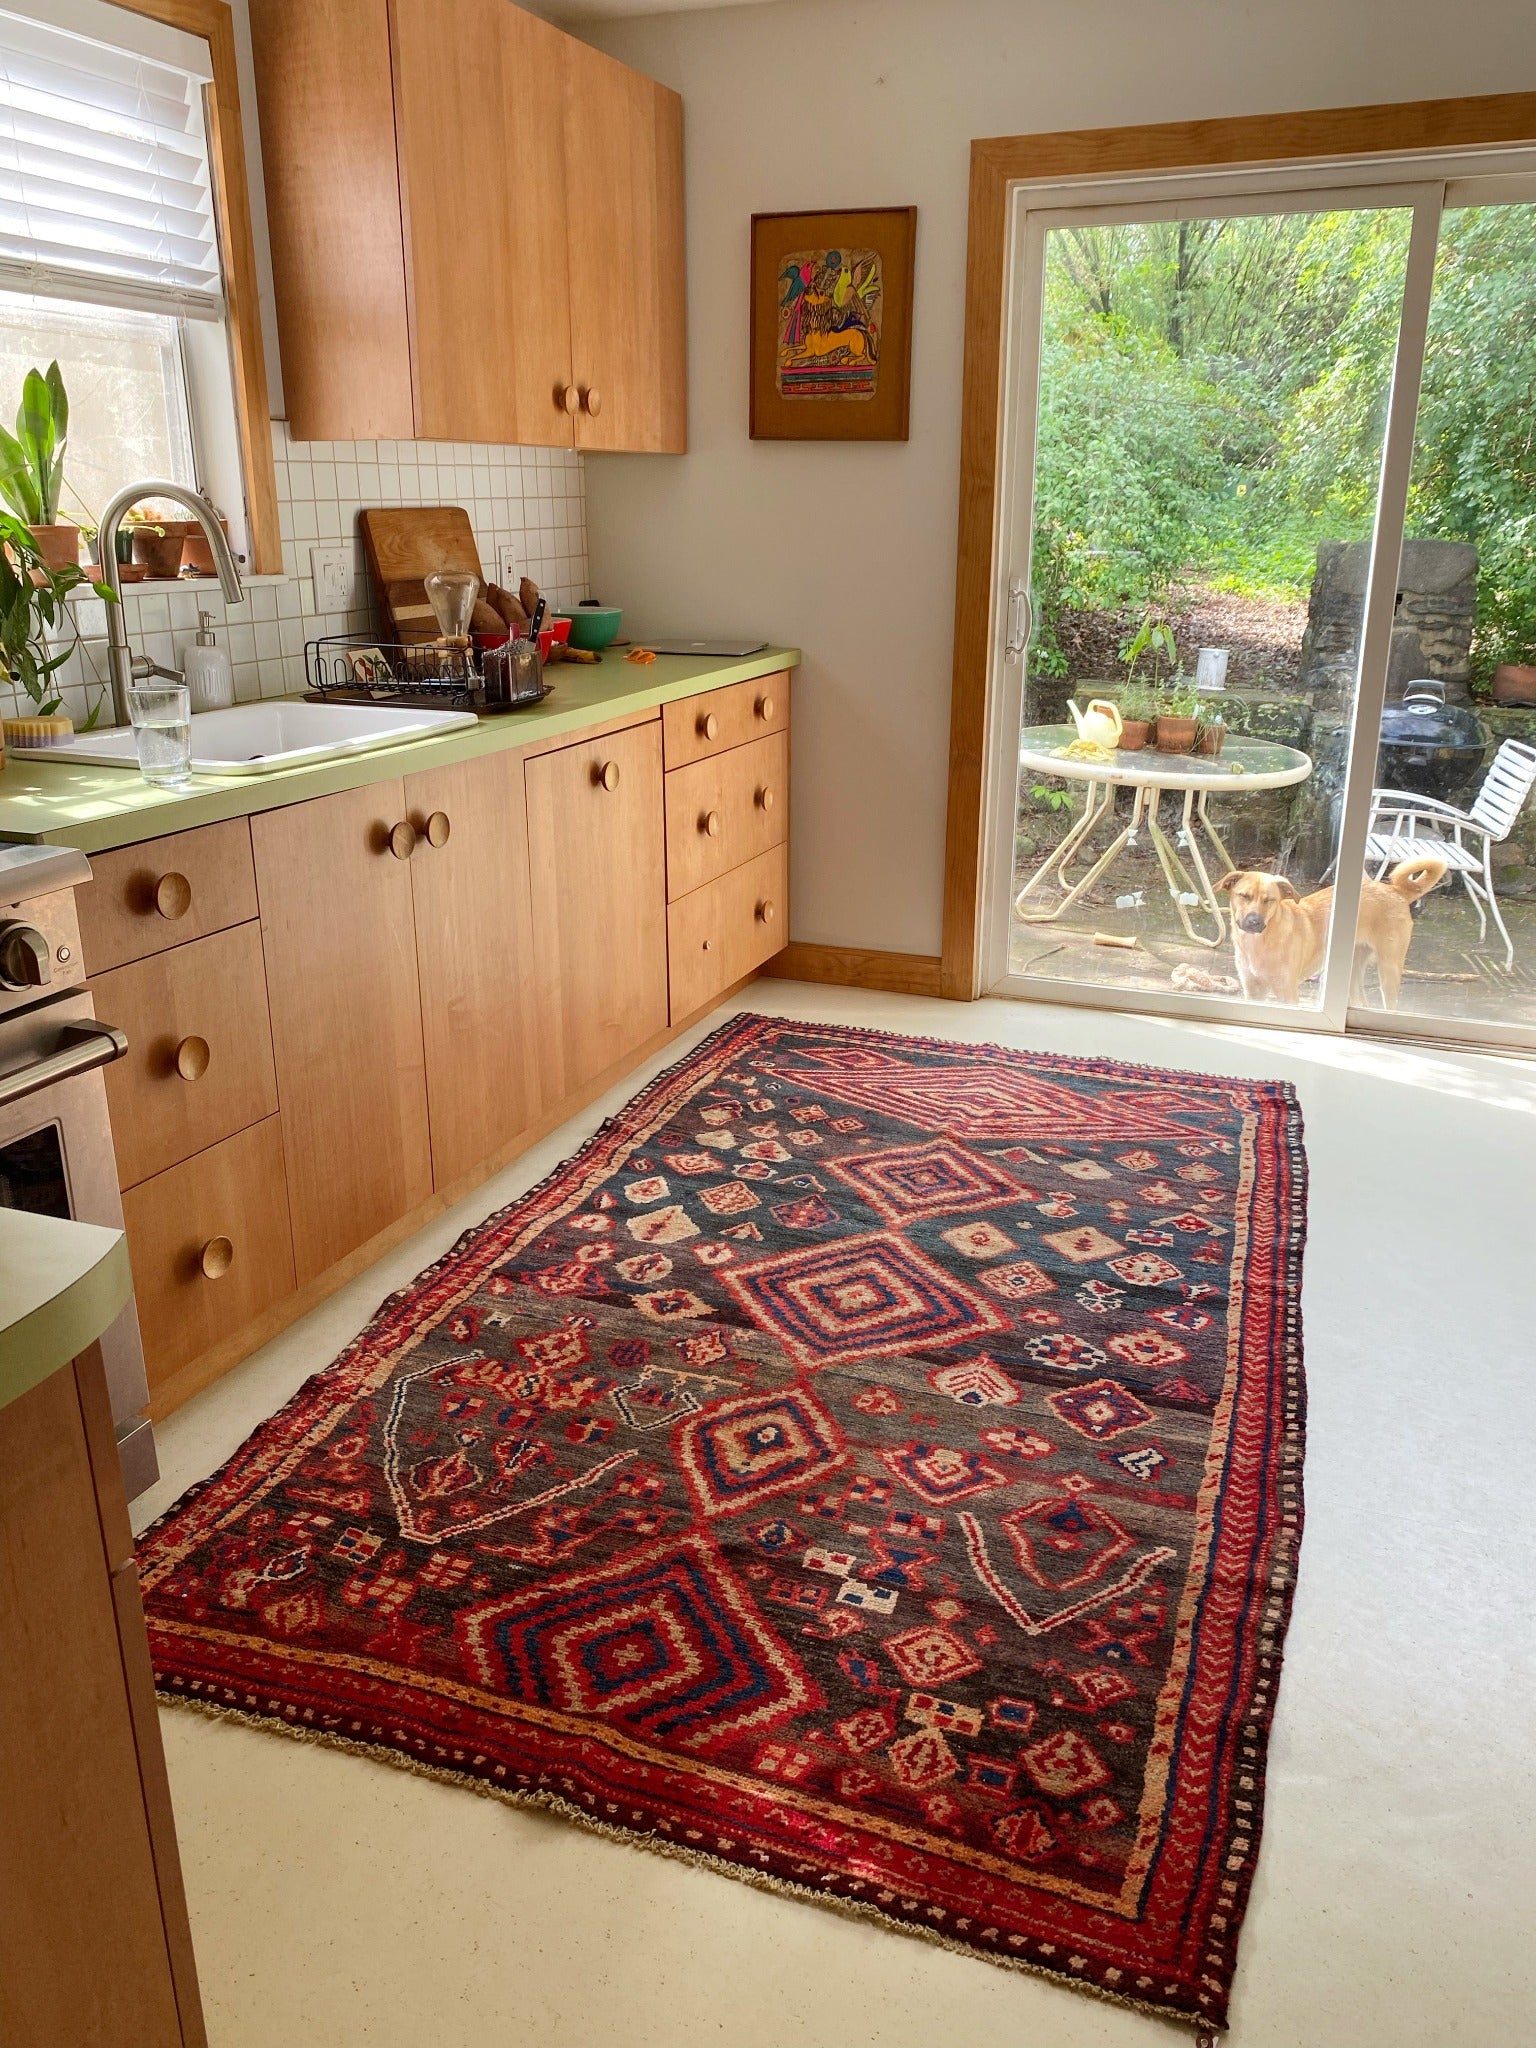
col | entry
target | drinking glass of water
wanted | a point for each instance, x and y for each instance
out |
(162, 732)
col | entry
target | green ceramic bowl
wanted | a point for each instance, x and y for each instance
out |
(595, 626)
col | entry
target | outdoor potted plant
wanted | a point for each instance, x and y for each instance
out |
(1152, 642)
(35, 613)
(32, 467)
(1138, 712)
(1176, 717)
(1210, 730)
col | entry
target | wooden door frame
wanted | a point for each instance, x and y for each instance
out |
(997, 165)
(212, 22)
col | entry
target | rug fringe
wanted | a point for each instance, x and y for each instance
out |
(677, 1852)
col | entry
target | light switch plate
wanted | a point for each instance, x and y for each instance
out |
(506, 567)
(330, 570)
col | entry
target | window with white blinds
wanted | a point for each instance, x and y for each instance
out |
(105, 192)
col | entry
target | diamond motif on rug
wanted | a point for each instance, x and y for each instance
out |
(939, 1179)
(740, 1452)
(1101, 1408)
(860, 1298)
(663, 1644)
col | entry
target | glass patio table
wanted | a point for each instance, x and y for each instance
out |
(1241, 765)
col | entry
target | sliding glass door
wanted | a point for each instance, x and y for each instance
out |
(1224, 552)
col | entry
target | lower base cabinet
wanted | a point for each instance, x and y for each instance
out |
(597, 858)
(95, 1950)
(447, 961)
(719, 934)
(211, 1247)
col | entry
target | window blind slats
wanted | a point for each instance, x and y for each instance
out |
(104, 184)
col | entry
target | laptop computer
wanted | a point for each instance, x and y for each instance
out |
(679, 643)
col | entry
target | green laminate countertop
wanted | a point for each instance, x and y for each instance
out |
(54, 803)
(61, 1284)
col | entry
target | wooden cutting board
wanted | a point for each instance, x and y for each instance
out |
(406, 543)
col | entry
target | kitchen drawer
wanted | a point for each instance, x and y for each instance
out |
(725, 810)
(695, 727)
(722, 931)
(210, 1245)
(199, 1061)
(142, 899)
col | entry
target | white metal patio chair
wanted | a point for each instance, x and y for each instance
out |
(1408, 827)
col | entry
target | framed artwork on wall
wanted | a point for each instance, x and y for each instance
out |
(832, 324)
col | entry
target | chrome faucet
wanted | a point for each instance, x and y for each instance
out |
(124, 665)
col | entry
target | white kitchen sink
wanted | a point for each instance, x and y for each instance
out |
(256, 739)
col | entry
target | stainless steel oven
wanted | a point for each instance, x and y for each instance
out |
(56, 1153)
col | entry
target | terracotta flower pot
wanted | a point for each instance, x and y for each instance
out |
(59, 546)
(1514, 682)
(1175, 735)
(197, 555)
(1213, 738)
(159, 554)
(1134, 734)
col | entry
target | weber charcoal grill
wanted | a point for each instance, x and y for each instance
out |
(1430, 747)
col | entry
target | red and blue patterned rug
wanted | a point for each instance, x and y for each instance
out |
(871, 1466)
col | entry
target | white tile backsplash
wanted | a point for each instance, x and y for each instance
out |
(534, 498)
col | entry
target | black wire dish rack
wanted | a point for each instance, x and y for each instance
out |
(343, 669)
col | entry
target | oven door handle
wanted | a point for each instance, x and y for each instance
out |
(81, 1047)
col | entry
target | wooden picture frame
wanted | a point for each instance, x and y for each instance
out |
(831, 356)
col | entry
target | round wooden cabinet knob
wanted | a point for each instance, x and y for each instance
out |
(173, 895)
(766, 912)
(438, 828)
(709, 945)
(765, 799)
(765, 707)
(709, 726)
(608, 775)
(192, 1058)
(402, 839)
(216, 1258)
(592, 399)
(710, 824)
(570, 398)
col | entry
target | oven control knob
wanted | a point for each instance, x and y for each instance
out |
(25, 956)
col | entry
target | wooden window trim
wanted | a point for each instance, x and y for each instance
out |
(997, 165)
(211, 20)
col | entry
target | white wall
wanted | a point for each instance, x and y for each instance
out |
(848, 552)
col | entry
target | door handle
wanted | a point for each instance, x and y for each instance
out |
(1021, 619)
(80, 1048)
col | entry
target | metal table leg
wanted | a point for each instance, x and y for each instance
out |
(1182, 888)
(1101, 866)
(1098, 802)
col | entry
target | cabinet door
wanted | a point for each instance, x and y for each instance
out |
(596, 854)
(624, 200)
(474, 953)
(482, 190)
(339, 936)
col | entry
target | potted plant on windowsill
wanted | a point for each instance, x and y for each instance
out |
(1176, 718)
(32, 467)
(34, 605)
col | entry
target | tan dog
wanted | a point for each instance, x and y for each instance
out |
(1280, 938)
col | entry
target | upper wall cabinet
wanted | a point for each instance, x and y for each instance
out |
(477, 227)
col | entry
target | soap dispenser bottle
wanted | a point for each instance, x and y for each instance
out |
(206, 671)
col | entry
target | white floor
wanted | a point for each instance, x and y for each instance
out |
(336, 1902)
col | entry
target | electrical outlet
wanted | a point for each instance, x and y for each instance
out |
(330, 570)
(506, 567)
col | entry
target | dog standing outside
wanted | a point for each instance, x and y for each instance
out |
(1280, 938)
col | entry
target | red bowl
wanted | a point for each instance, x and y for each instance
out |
(557, 629)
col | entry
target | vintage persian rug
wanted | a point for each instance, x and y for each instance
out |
(871, 1466)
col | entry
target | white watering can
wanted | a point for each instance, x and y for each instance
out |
(1101, 724)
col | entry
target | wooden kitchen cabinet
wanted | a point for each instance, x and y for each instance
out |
(338, 932)
(96, 1950)
(598, 876)
(476, 226)
(624, 211)
(474, 957)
